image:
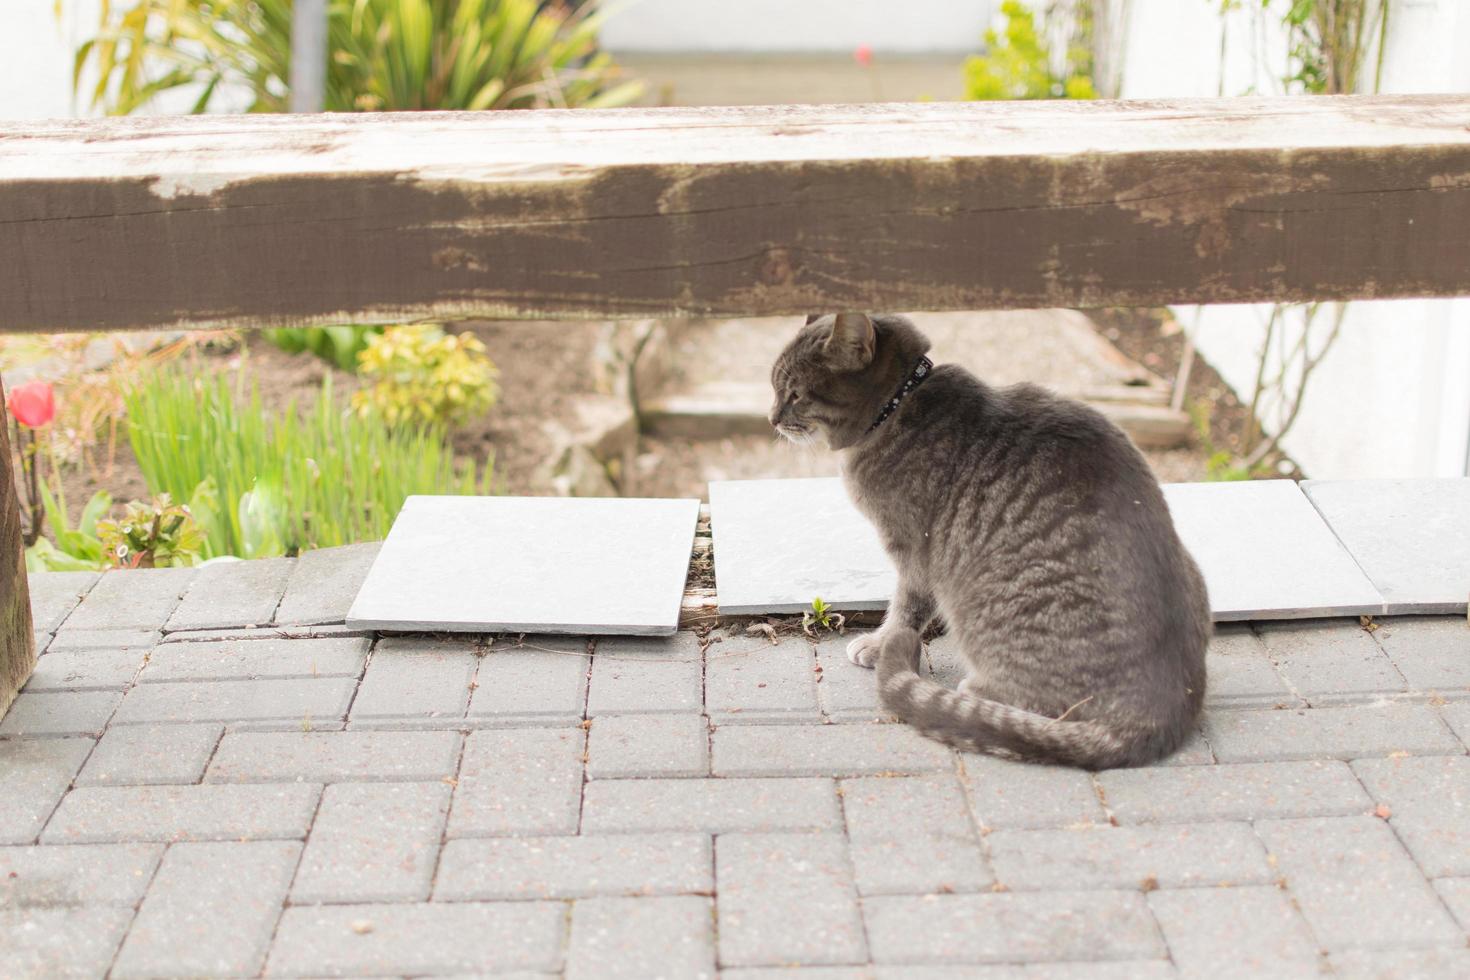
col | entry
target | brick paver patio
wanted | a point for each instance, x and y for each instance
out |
(184, 795)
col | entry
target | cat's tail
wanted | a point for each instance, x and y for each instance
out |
(973, 724)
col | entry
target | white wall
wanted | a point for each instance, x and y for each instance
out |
(36, 56)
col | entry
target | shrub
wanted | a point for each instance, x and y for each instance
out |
(420, 374)
(338, 346)
(1017, 65)
(152, 534)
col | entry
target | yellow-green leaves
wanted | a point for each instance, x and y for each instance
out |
(419, 373)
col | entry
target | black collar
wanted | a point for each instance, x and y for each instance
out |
(915, 378)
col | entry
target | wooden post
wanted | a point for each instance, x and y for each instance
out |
(308, 56)
(17, 643)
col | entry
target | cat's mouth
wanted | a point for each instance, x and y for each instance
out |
(802, 435)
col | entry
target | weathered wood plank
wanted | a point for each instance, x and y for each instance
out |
(17, 643)
(266, 220)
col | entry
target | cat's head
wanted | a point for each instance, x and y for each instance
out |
(831, 381)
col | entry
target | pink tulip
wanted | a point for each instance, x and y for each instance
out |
(863, 54)
(33, 404)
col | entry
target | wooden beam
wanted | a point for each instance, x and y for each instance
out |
(263, 220)
(17, 642)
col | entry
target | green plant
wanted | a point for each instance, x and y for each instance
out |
(1017, 63)
(420, 374)
(152, 534)
(72, 549)
(383, 54)
(338, 346)
(821, 616)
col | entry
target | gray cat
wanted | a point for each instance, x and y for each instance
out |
(1030, 526)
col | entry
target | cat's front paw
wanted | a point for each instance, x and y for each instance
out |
(863, 651)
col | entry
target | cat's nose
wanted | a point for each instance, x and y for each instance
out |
(775, 416)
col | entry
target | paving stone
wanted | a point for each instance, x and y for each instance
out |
(779, 544)
(1011, 928)
(210, 911)
(55, 594)
(919, 865)
(76, 874)
(533, 683)
(715, 806)
(1265, 552)
(417, 940)
(373, 843)
(531, 565)
(329, 757)
(135, 754)
(60, 713)
(323, 584)
(878, 807)
(1247, 791)
(1355, 884)
(1128, 857)
(106, 814)
(302, 702)
(238, 593)
(1014, 794)
(412, 677)
(1122, 970)
(574, 867)
(45, 943)
(1447, 963)
(643, 676)
(272, 658)
(1429, 799)
(748, 679)
(1457, 716)
(787, 899)
(639, 938)
(141, 640)
(802, 973)
(1330, 658)
(845, 690)
(1331, 733)
(86, 670)
(42, 641)
(1239, 668)
(135, 599)
(933, 972)
(1433, 653)
(1411, 537)
(1238, 932)
(641, 746)
(519, 781)
(1194, 752)
(1455, 893)
(33, 777)
(947, 664)
(824, 750)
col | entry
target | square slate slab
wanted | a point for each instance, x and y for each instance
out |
(530, 565)
(781, 543)
(1266, 553)
(1411, 537)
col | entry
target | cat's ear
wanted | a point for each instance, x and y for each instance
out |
(850, 346)
(812, 318)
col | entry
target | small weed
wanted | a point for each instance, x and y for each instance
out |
(821, 617)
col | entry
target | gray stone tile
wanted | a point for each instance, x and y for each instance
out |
(787, 898)
(55, 594)
(1247, 791)
(1266, 553)
(1014, 794)
(1240, 932)
(1457, 716)
(302, 702)
(1455, 893)
(1433, 653)
(136, 599)
(779, 544)
(1332, 657)
(805, 973)
(373, 843)
(519, 781)
(947, 664)
(1240, 669)
(1355, 884)
(642, 746)
(748, 680)
(1411, 537)
(141, 640)
(1012, 928)
(329, 757)
(266, 658)
(45, 943)
(574, 867)
(108, 814)
(531, 565)
(824, 750)
(845, 690)
(643, 676)
(1429, 802)
(533, 683)
(709, 805)
(638, 938)
(1446, 963)
(919, 864)
(210, 911)
(1175, 856)
(877, 807)
(60, 713)
(240, 593)
(1331, 733)
(42, 641)
(86, 670)
(931, 971)
(324, 583)
(137, 754)
(76, 874)
(33, 777)
(1117, 970)
(418, 939)
(416, 678)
